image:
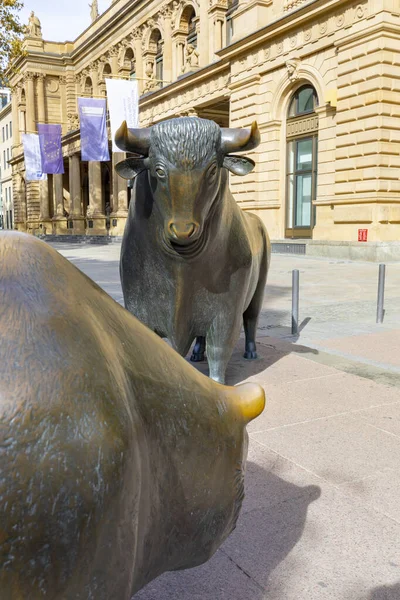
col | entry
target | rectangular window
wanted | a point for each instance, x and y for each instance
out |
(7, 131)
(4, 136)
(4, 159)
(301, 182)
(8, 154)
(10, 128)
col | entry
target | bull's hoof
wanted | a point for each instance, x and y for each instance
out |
(197, 357)
(250, 355)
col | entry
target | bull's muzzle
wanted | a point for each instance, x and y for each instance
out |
(182, 232)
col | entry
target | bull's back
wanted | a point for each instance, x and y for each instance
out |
(63, 436)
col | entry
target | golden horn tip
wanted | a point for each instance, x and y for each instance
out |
(251, 400)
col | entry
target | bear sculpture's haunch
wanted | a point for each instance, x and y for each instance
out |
(118, 460)
(193, 265)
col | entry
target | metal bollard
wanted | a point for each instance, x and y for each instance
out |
(381, 294)
(295, 302)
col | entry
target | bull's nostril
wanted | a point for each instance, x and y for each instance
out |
(182, 230)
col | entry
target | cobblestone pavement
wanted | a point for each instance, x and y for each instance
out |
(321, 517)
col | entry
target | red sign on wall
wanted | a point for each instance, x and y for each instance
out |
(363, 235)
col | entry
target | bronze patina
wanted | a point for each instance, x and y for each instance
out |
(118, 460)
(193, 265)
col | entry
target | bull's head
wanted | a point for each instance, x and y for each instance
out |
(185, 158)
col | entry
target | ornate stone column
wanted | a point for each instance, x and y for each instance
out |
(137, 48)
(40, 98)
(94, 75)
(30, 104)
(19, 196)
(96, 220)
(44, 202)
(75, 190)
(113, 53)
(179, 41)
(167, 55)
(59, 220)
(120, 198)
(63, 99)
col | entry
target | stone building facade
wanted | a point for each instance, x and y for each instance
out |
(321, 78)
(6, 142)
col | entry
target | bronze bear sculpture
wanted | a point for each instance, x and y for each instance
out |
(118, 460)
(193, 264)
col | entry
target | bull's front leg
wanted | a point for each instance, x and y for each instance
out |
(220, 340)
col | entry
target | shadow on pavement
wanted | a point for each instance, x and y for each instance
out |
(271, 524)
(386, 592)
(269, 351)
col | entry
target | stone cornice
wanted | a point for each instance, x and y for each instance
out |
(282, 26)
(193, 79)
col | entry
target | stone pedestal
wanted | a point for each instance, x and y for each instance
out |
(95, 217)
(78, 225)
(117, 224)
(96, 225)
(60, 226)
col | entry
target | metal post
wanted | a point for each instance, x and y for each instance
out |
(295, 302)
(381, 294)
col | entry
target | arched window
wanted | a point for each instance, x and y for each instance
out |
(106, 74)
(192, 32)
(129, 63)
(88, 87)
(301, 174)
(232, 6)
(159, 60)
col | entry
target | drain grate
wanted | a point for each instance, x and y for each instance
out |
(278, 248)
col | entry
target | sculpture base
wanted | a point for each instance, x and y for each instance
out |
(96, 225)
(117, 223)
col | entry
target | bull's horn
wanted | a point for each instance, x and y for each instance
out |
(133, 140)
(249, 398)
(240, 140)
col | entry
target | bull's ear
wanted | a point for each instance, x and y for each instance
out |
(131, 167)
(239, 165)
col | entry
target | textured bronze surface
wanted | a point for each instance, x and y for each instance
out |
(118, 460)
(193, 265)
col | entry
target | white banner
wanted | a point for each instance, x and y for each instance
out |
(33, 160)
(123, 104)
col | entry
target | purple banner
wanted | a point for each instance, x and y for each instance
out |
(94, 138)
(50, 149)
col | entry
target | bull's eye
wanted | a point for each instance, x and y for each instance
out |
(212, 171)
(161, 172)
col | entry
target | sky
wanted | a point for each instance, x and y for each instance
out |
(61, 20)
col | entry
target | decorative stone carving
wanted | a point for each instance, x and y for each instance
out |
(113, 51)
(360, 10)
(62, 80)
(72, 121)
(339, 20)
(292, 66)
(34, 28)
(150, 84)
(94, 10)
(191, 59)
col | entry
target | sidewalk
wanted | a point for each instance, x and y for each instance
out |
(321, 518)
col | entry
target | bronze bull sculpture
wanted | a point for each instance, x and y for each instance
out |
(118, 460)
(193, 265)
